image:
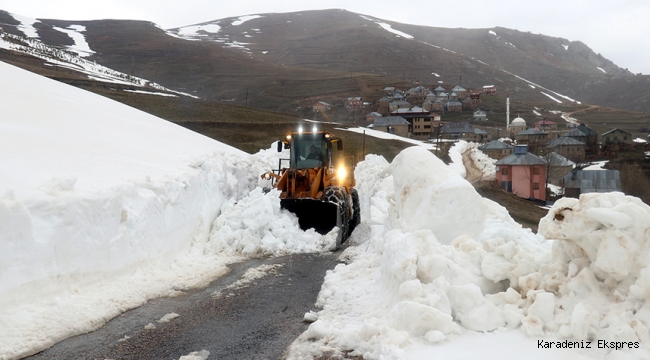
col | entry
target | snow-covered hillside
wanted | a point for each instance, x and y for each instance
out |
(73, 57)
(103, 207)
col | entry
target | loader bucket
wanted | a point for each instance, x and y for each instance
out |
(320, 215)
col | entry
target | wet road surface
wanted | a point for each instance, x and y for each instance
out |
(254, 322)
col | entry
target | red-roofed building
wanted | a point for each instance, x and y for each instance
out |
(321, 106)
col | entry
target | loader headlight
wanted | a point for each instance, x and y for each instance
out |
(266, 176)
(289, 137)
(341, 173)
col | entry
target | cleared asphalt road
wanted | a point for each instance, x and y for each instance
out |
(254, 322)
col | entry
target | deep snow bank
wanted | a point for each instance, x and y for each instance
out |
(102, 207)
(600, 271)
(441, 261)
(406, 289)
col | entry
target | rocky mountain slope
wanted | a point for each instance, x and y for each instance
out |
(286, 61)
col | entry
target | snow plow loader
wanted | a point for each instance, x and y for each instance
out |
(321, 194)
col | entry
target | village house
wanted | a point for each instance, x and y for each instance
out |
(523, 174)
(439, 90)
(463, 131)
(532, 137)
(392, 124)
(468, 104)
(545, 125)
(480, 115)
(567, 147)
(592, 138)
(454, 105)
(383, 105)
(580, 181)
(417, 94)
(476, 97)
(438, 106)
(353, 103)
(497, 149)
(422, 121)
(557, 166)
(372, 116)
(576, 134)
(490, 90)
(321, 106)
(616, 136)
(461, 92)
(398, 104)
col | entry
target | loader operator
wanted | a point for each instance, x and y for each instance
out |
(313, 153)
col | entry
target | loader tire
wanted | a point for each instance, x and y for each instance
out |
(338, 195)
(356, 211)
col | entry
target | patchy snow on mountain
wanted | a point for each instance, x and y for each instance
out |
(150, 93)
(601, 69)
(80, 46)
(390, 29)
(26, 25)
(243, 19)
(193, 31)
(387, 27)
(67, 59)
(551, 97)
(541, 87)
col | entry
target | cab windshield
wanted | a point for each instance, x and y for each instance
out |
(308, 151)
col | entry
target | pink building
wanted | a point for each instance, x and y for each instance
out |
(523, 174)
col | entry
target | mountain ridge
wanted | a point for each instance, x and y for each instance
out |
(280, 61)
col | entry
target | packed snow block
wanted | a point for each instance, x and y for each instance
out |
(256, 225)
(418, 319)
(472, 310)
(543, 307)
(599, 268)
(430, 196)
(608, 233)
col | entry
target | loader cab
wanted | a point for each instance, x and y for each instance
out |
(310, 150)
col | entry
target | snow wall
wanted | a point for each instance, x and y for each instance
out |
(102, 207)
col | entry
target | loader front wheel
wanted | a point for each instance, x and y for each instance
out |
(338, 195)
(356, 210)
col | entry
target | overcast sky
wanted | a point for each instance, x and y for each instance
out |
(619, 30)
